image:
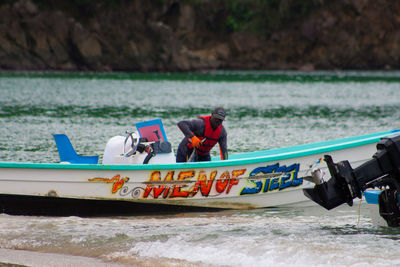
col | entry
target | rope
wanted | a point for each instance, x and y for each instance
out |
(359, 211)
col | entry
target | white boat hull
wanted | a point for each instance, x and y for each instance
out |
(239, 183)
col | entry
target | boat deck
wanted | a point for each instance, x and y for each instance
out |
(234, 159)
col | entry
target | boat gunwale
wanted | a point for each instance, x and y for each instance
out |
(290, 152)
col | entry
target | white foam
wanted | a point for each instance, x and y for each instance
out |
(291, 237)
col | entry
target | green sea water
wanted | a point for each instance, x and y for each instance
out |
(265, 110)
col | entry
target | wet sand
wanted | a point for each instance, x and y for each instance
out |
(23, 258)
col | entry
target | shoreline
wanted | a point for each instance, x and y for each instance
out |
(25, 258)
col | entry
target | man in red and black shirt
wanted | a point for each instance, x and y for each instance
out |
(203, 133)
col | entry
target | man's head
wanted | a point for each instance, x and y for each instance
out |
(217, 116)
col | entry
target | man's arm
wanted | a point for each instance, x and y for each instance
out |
(223, 144)
(191, 127)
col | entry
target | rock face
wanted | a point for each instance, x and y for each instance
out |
(174, 35)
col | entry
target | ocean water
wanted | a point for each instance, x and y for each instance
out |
(265, 110)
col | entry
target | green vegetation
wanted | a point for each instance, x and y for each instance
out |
(267, 16)
(275, 14)
(240, 14)
(261, 16)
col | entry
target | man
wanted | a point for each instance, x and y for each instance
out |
(203, 133)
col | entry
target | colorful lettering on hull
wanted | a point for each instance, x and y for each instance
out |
(184, 186)
(271, 178)
(192, 183)
(117, 182)
(181, 188)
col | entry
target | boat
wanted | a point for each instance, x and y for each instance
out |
(139, 175)
(372, 199)
(378, 179)
(380, 214)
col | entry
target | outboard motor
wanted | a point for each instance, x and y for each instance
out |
(346, 183)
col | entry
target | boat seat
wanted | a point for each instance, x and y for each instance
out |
(153, 130)
(67, 152)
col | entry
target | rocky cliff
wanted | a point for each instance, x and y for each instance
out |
(161, 35)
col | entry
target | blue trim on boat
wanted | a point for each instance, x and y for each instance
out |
(372, 196)
(235, 159)
(336, 144)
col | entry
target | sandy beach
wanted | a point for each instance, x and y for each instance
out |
(9, 257)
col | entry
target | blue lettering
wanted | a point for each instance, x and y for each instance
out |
(272, 177)
(274, 184)
(252, 190)
(285, 182)
(266, 185)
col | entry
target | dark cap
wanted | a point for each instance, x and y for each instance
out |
(219, 113)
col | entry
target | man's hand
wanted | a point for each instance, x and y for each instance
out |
(196, 142)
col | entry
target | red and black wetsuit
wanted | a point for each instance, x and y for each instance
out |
(201, 127)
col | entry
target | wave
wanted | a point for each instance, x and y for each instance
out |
(226, 76)
(317, 111)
